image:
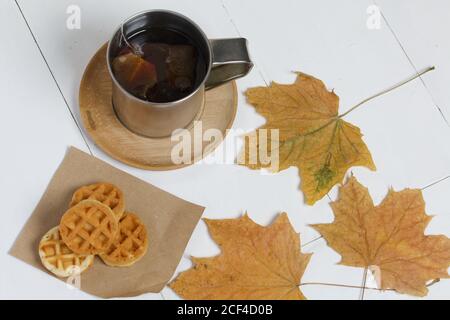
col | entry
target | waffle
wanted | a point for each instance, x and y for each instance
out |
(130, 245)
(58, 258)
(106, 193)
(89, 227)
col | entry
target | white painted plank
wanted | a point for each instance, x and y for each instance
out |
(421, 28)
(35, 128)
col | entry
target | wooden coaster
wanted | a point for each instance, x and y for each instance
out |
(102, 124)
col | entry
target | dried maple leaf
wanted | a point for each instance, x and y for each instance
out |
(388, 238)
(256, 263)
(312, 136)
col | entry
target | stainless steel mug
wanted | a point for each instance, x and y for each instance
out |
(225, 59)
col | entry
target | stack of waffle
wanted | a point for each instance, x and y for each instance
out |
(95, 224)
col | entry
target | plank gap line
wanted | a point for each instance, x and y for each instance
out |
(397, 39)
(53, 76)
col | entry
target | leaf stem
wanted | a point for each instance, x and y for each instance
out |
(363, 285)
(311, 241)
(418, 75)
(342, 285)
(432, 282)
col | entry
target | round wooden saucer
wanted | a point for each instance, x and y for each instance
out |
(102, 124)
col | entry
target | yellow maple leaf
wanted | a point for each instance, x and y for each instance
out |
(388, 238)
(256, 263)
(312, 136)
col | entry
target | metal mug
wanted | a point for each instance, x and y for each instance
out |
(225, 59)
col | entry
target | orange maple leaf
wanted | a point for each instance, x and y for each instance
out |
(312, 135)
(388, 238)
(256, 263)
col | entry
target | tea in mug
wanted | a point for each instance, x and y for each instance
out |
(159, 65)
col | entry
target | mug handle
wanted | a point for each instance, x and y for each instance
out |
(230, 61)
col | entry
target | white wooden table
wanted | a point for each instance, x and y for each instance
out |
(41, 63)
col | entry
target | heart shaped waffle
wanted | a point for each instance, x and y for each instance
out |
(58, 258)
(89, 227)
(106, 193)
(130, 244)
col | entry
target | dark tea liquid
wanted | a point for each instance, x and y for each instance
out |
(168, 68)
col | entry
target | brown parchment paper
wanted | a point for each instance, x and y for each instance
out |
(170, 222)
